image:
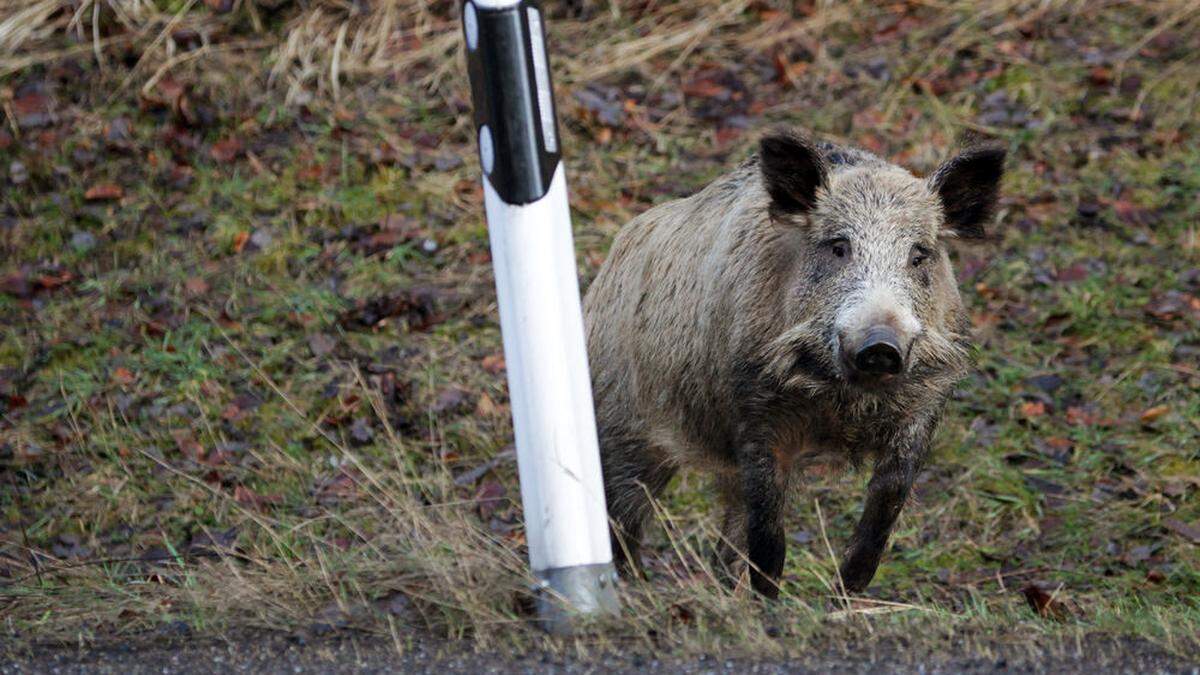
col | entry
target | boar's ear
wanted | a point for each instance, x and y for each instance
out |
(968, 186)
(792, 170)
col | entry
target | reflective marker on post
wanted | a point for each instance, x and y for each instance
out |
(525, 196)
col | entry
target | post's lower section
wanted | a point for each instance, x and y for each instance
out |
(558, 456)
(565, 593)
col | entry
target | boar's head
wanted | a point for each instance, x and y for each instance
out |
(871, 297)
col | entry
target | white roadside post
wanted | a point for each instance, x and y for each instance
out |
(525, 197)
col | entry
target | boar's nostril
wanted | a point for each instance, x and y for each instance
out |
(880, 353)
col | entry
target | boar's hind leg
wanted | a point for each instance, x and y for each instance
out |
(886, 494)
(634, 476)
(763, 491)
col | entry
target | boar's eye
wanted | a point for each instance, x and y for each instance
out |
(840, 248)
(919, 255)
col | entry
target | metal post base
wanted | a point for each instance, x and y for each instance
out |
(566, 593)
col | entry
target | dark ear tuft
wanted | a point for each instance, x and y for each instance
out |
(793, 170)
(968, 186)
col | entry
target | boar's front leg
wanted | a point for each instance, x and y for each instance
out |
(886, 494)
(763, 491)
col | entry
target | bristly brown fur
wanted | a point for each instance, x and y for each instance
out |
(712, 331)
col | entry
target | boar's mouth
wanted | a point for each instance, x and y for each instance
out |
(874, 382)
(801, 357)
(808, 363)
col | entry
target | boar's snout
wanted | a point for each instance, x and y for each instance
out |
(879, 353)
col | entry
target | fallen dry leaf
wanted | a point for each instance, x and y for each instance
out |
(486, 407)
(239, 241)
(1076, 272)
(1047, 605)
(705, 88)
(1031, 409)
(310, 172)
(32, 110)
(493, 364)
(104, 192)
(1100, 76)
(177, 97)
(489, 497)
(50, 282)
(1132, 214)
(786, 72)
(195, 286)
(188, 446)
(1189, 532)
(342, 487)
(226, 149)
(418, 307)
(251, 499)
(17, 285)
(1056, 447)
(452, 399)
(1086, 416)
(1151, 414)
(1172, 305)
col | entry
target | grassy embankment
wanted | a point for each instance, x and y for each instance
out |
(250, 368)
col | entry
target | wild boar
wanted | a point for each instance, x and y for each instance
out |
(799, 309)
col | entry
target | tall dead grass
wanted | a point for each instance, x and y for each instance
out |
(317, 48)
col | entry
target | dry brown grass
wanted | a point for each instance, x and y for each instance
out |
(314, 49)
